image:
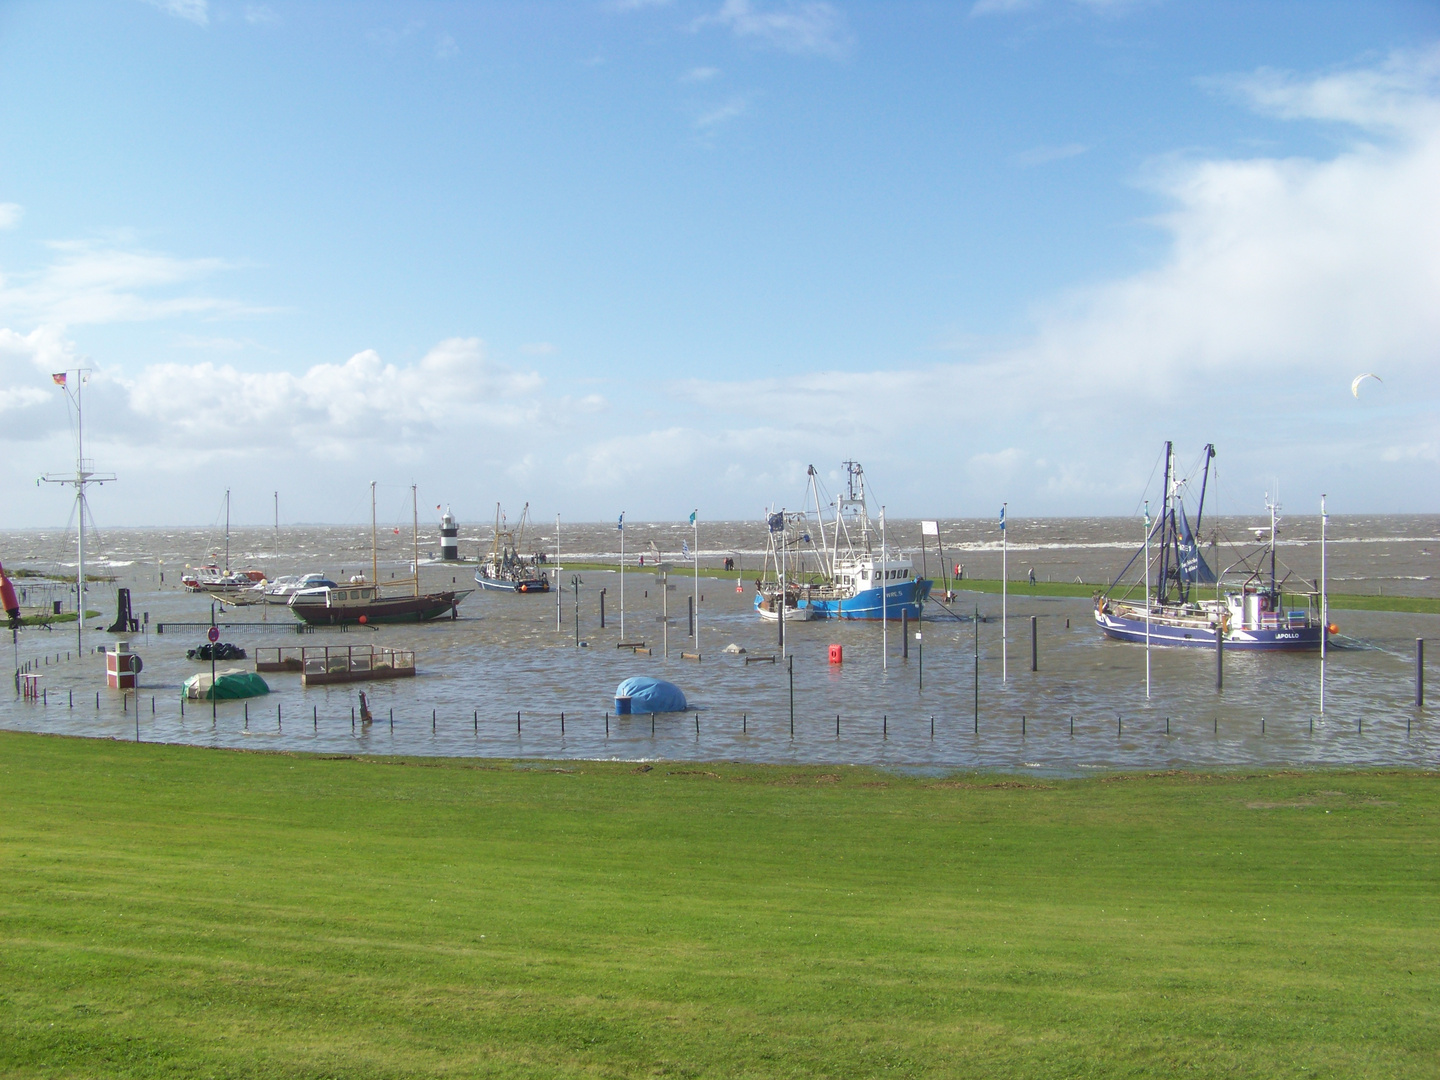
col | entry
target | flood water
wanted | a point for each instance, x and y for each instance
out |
(937, 708)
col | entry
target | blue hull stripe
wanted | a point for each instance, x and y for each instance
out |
(907, 598)
(1162, 634)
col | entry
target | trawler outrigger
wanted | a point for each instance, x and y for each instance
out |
(1249, 610)
(822, 561)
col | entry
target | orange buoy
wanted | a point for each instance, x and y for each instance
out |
(1333, 628)
(362, 620)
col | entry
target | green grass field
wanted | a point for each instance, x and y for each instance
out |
(169, 911)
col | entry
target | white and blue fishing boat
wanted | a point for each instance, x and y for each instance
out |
(505, 569)
(822, 563)
(1252, 610)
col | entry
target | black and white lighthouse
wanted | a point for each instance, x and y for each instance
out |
(449, 538)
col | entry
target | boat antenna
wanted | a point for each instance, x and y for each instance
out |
(84, 474)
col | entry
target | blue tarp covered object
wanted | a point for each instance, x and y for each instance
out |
(643, 694)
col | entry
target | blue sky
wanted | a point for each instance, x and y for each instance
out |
(654, 255)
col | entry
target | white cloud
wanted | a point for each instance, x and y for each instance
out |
(713, 118)
(27, 393)
(333, 410)
(1401, 94)
(10, 215)
(102, 283)
(196, 11)
(796, 26)
(699, 75)
(1044, 155)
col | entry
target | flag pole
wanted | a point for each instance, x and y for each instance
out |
(695, 523)
(1324, 606)
(1147, 601)
(621, 527)
(1004, 598)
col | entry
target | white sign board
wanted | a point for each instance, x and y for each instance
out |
(929, 528)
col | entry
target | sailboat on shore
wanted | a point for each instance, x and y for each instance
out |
(1251, 610)
(363, 602)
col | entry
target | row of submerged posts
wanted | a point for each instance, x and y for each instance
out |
(132, 703)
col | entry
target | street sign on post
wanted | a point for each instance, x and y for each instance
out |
(213, 634)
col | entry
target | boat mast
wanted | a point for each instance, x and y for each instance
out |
(1162, 586)
(415, 535)
(828, 570)
(374, 559)
(84, 474)
(227, 532)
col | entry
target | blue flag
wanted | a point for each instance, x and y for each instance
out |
(621, 526)
(692, 516)
(684, 549)
(1002, 519)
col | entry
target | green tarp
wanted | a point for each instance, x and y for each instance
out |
(228, 685)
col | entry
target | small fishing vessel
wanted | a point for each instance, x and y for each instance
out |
(821, 562)
(363, 602)
(505, 569)
(1252, 610)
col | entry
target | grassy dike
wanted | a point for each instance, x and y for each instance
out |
(1022, 587)
(173, 911)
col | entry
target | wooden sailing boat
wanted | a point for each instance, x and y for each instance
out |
(362, 602)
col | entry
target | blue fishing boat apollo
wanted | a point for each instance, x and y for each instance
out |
(821, 562)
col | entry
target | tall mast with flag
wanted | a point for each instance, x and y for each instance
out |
(84, 474)
(1004, 599)
(621, 527)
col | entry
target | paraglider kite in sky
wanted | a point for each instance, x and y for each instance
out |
(1355, 386)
